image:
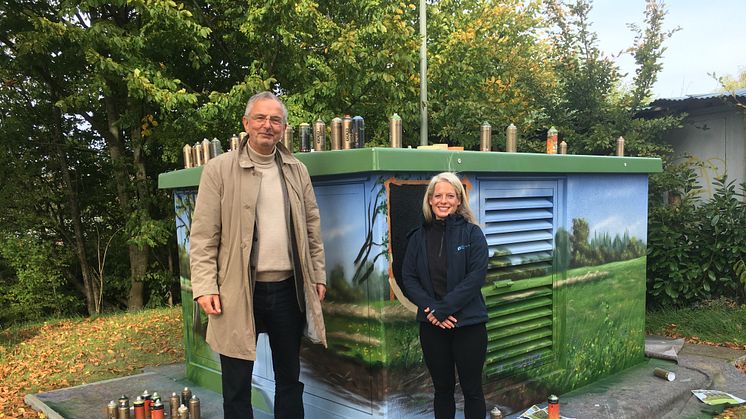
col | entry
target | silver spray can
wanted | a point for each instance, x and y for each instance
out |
(620, 146)
(347, 142)
(187, 151)
(336, 134)
(305, 137)
(287, 137)
(215, 147)
(206, 150)
(511, 139)
(485, 137)
(197, 154)
(358, 131)
(319, 135)
(395, 131)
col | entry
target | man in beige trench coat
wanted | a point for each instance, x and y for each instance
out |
(257, 260)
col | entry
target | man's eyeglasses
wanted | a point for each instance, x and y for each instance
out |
(275, 121)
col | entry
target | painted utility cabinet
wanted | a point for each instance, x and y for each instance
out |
(565, 287)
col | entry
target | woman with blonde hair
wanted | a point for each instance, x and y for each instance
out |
(443, 272)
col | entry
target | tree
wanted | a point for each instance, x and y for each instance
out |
(487, 63)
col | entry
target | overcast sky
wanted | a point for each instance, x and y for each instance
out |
(712, 39)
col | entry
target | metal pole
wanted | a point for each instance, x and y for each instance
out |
(423, 74)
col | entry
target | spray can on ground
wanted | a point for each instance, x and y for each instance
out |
(395, 131)
(563, 147)
(158, 410)
(194, 408)
(336, 134)
(347, 142)
(173, 405)
(123, 408)
(553, 408)
(358, 131)
(186, 394)
(183, 412)
(111, 410)
(139, 408)
(319, 135)
(485, 137)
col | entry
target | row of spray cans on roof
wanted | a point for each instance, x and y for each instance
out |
(349, 133)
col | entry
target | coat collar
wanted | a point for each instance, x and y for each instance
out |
(245, 162)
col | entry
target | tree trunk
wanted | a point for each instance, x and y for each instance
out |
(138, 256)
(90, 287)
(139, 269)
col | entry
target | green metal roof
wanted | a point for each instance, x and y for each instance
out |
(364, 160)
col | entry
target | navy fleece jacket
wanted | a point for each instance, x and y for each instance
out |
(467, 253)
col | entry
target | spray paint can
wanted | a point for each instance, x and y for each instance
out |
(664, 374)
(183, 412)
(358, 131)
(205, 150)
(336, 134)
(194, 408)
(186, 394)
(485, 137)
(216, 148)
(552, 140)
(187, 152)
(233, 142)
(139, 408)
(158, 410)
(305, 137)
(197, 149)
(553, 408)
(319, 135)
(123, 408)
(511, 139)
(287, 137)
(111, 410)
(563, 147)
(148, 402)
(347, 141)
(241, 139)
(620, 146)
(495, 413)
(395, 131)
(173, 405)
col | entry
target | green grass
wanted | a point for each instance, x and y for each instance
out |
(720, 322)
(63, 353)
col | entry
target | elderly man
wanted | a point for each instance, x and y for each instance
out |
(257, 260)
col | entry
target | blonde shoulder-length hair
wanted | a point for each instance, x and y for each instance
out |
(463, 209)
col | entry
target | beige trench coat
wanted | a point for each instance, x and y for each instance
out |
(221, 238)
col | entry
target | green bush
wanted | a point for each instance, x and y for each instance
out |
(693, 245)
(33, 285)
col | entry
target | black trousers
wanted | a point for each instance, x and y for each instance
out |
(276, 313)
(462, 349)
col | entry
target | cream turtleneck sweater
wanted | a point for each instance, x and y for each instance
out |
(273, 247)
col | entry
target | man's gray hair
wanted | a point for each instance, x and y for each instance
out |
(266, 95)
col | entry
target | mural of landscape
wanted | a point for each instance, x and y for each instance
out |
(565, 291)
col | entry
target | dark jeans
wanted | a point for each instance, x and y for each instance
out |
(463, 349)
(276, 313)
